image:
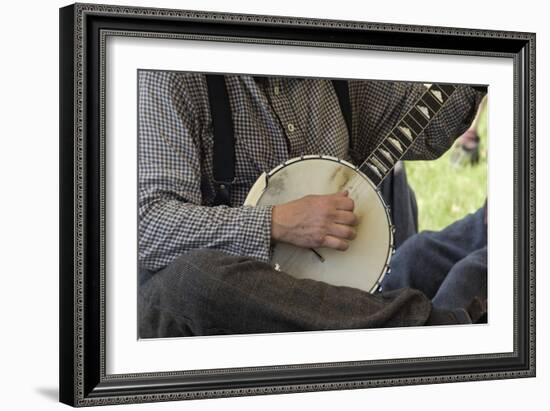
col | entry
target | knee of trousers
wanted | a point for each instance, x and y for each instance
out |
(171, 301)
(196, 268)
(188, 282)
(204, 260)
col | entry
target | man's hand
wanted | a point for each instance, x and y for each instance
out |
(315, 221)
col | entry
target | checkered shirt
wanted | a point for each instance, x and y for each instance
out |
(275, 119)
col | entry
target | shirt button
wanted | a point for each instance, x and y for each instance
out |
(290, 127)
(276, 90)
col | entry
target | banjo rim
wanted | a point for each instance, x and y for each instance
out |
(391, 249)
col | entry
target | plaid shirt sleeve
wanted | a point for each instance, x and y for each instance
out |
(454, 118)
(172, 217)
(379, 105)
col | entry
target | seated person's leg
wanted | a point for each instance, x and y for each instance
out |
(465, 281)
(402, 201)
(209, 292)
(425, 259)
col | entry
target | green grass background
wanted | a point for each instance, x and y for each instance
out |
(446, 192)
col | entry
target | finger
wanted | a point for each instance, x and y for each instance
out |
(345, 217)
(344, 203)
(341, 231)
(335, 243)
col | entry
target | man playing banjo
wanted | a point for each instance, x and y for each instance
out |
(203, 143)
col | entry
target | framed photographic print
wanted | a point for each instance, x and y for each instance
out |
(260, 204)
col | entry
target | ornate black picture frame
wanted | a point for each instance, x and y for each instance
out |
(83, 379)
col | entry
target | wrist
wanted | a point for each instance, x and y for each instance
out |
(277, 229)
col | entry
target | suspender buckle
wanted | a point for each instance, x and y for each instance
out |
(224, 185)
(223, 192)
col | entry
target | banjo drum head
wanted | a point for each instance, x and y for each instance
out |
(365, 262)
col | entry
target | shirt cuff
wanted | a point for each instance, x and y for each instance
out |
(256, 230)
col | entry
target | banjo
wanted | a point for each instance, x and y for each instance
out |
(365, 263)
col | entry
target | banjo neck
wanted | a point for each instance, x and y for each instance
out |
(394, 146)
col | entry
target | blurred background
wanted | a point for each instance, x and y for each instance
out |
(456, 183)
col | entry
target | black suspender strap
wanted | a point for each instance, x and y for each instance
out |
(342, 92)
(224, 138)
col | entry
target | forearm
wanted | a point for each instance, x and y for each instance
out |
(170, 227)
(173, 153)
